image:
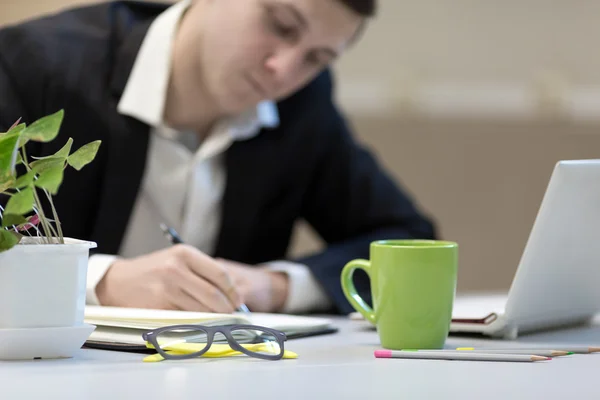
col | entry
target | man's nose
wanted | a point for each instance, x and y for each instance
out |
(282, 66)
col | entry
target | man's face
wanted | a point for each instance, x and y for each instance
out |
(253, 50)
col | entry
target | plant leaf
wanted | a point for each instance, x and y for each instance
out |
(29, 223)
(20, 203)
(7, 183)
(8, 239)
(50, 179)
(13, 219)
(24, 180)
(8, 154)
(47, 163)
(17, 129)
(66, 149)
(15, 124)
(62, 153)
(84, 155)
(32, 221)
(44, 129)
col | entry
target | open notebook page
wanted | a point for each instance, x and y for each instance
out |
(125, 325)
(150, 318)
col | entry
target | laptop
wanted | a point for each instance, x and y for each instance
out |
(557, 282)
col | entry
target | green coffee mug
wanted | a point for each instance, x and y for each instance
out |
(413, 284)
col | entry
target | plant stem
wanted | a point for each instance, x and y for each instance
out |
(61, 239)
(48, 229)
(24, 156)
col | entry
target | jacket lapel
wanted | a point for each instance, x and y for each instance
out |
(126, 153)
(247, 180)
(124, 171)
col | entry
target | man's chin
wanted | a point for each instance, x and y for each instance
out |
(237, 106)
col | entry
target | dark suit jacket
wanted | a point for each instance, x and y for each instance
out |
(308, 168)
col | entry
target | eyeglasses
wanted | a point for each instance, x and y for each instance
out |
(178, 342)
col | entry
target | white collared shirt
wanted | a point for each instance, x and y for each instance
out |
(183, 183)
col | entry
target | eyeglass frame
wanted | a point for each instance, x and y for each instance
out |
(280, 337)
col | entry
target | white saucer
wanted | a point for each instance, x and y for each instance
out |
(30, 343)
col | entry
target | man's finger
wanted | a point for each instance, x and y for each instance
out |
(209, 269)
(184, 302)
(205, 293)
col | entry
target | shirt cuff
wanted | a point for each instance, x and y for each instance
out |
(305, 294)
(98, 264)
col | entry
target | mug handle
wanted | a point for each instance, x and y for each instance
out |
(350, 290)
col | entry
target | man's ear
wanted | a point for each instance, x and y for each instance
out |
(359, 32)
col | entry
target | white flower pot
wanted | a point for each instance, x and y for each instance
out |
(43, 285)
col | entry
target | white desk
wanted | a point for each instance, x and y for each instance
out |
(333, 366)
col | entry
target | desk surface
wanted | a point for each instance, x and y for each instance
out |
(333, 366)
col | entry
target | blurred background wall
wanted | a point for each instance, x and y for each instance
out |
(469, 104)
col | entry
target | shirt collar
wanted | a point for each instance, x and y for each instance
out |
(146, 89)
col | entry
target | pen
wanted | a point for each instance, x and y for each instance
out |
(174, 238)
(458, 355)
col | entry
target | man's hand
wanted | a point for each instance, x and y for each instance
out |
(179, 277)
(260, 289)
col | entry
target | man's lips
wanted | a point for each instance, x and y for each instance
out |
(257, 86)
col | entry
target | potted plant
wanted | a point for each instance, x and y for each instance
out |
(42, 273)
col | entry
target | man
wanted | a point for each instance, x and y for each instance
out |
(217, 119)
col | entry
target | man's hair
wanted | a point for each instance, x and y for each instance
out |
(365, 8)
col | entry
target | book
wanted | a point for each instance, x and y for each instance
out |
(122, 328)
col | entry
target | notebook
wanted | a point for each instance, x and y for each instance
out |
(119, 328)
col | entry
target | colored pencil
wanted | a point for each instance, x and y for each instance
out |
(537, 352)
(568, 348)
(580, 349)
(457, 355)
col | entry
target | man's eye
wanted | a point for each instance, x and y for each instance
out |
(285, 31)
(314, 60)
(279, 26)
